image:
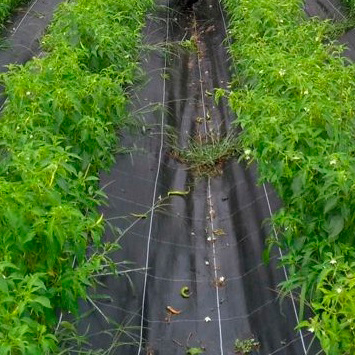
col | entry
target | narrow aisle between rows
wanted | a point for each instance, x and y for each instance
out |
(193, 229)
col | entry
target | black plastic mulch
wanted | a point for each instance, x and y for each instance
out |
(325, 9)
(210, 240)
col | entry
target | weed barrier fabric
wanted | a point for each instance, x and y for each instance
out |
(325, 9)
(22, 36)
(179, 230)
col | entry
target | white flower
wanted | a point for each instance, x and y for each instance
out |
(207, 262)
(207, 319)
(282, 72)
(311, 330)
(305, 92)
(222, 279)
(28, 93)
(333, 261)
(247, 153)
(339, 290)
(333, 162)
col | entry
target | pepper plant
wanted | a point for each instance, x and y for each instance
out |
(57, 131)
(294, 100)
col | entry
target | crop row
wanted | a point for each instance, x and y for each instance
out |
(6, 6)
(294, 99)
(57, 131)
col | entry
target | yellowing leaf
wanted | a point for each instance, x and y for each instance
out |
(178, 193)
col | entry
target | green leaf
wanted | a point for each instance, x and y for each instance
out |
(6, 264)
(44, 301)
(194, 351)
(336, 225)
(297, 185)
(3, 285)
(331, 203)
(68, 326)
(302, 300)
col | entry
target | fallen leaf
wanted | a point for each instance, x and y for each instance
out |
(173, 311)
(219, 232)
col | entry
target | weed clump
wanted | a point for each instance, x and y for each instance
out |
(206, 155)
(245, 346)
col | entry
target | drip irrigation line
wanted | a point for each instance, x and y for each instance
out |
(209, 192)
(283, 347)
(3, 104)
(195, 320)
(196, 247)
(270, 211)
(59, 322)
(162, 131)
(24, 17)
(285, 271)
(210, 203)
(176, 215)
(336, 9)
(196, 281)
(226, 192)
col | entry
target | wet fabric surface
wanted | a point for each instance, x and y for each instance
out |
(210, 239)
